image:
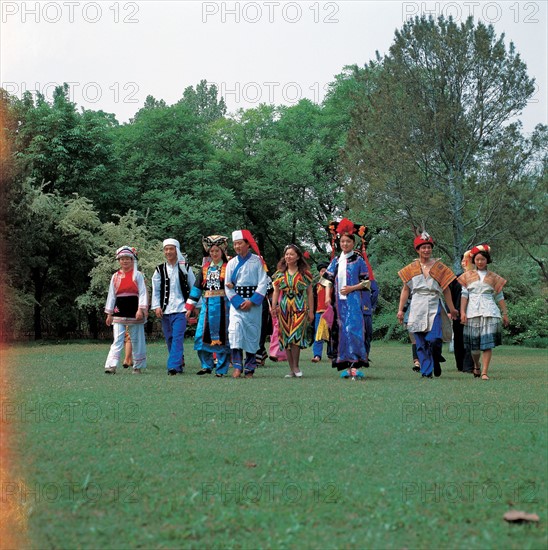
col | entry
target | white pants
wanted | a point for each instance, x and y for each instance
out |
(138, 343)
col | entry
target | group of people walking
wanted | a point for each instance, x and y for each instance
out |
(426, 281)
(339, 307)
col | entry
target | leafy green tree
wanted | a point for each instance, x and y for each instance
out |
(170, 174)
(55, 153)
(14, 302)
(204, 101)
(526, 203)
(424, 141)
(51, 240)
(70, 152)
(127, 230)
(280, 164)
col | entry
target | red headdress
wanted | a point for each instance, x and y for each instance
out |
(347, 227)
(469, 255)
(245, 235)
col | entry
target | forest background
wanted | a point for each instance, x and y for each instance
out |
(428, 135)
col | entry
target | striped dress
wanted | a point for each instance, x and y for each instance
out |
(293, 301)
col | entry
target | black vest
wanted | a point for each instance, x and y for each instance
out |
(164, 284)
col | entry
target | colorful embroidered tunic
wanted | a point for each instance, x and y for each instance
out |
(126, 296)
(426, 315)
(212, 329)
(482, 292)
(293, 318)
(426, 293)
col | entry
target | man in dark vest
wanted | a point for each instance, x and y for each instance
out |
(171, 284)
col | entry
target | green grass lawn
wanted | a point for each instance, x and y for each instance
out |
(394, 461)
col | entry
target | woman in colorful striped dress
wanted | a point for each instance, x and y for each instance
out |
(293, 303)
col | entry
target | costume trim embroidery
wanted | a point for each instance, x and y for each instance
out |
(442, 274)
(492, 279)
(410, 271)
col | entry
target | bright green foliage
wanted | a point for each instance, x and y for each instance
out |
(527, 207)
(204, 102)
(70, 152)
(425, 142)
(52, 242)
(127, 231)
(58, 170)
(169, 174)
(282, 166)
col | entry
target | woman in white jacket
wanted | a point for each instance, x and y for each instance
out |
(481, 291)
(127, 305)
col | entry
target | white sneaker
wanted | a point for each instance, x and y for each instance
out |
(299, 374)
(291, 375)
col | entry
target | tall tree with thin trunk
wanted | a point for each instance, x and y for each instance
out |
(440, 111)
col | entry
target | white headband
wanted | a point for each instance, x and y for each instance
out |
(175, 243)
(171, 242)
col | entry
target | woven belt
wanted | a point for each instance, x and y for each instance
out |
(213, 293)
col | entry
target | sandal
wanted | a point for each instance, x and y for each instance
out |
(484, 376)
(476, 372)
(316, 359)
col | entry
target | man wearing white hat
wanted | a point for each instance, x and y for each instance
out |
(171, 284)
(245, 287)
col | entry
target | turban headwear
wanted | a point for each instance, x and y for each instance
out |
(131, 252)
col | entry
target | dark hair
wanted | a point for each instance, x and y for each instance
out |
(483, 253)
(349, 235)
(223, 253)
(302, 264)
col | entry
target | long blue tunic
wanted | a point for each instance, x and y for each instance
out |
(212, 329)
(349, 336)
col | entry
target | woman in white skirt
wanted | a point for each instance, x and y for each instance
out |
(481, 290)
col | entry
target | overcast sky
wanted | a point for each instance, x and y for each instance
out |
(117, 53)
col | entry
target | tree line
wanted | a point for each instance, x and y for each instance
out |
(428, 135)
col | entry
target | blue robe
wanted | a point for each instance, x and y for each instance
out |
(212, 329)
(349, 327)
